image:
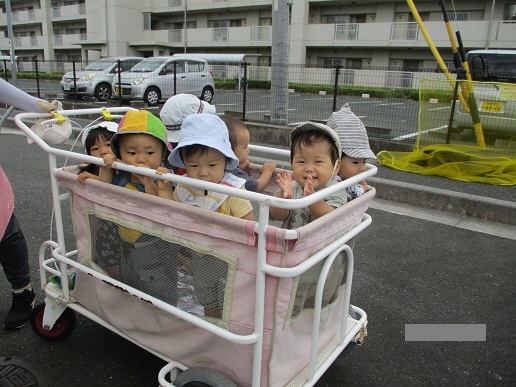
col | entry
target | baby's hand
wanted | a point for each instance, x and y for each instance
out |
(244, 165)
(309, 186)
(81, 177)
(285, 184)
(109, 160)
(145, 180)
(269, 167)
(164, 185)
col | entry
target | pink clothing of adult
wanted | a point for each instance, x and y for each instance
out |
(6, 202)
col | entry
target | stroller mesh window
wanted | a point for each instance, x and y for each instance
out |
(179, 275)
(304, 298)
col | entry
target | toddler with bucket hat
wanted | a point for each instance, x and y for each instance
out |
(355, 148)
(205, 151)
(140, 260)
(175, 110)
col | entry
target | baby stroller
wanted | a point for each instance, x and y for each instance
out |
(281, 296)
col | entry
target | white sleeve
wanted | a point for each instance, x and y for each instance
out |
(11, 95)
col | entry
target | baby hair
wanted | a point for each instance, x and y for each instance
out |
(89, 142)
(94, 134)
(311, 137)
(234, 125)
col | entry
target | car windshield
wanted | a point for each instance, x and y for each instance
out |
(148, 65)
(100, 65)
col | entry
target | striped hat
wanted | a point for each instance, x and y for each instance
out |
(352, 133)
(141, 122)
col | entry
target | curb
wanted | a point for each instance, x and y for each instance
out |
(493, 210)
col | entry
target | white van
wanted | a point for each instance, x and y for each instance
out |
(96, 78)
(152, 80)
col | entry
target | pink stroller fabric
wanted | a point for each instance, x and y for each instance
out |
(233, 242)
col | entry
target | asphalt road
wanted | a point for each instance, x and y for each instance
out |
(411, 268)
(393, 117)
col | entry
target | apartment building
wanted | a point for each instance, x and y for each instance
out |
(355, 34)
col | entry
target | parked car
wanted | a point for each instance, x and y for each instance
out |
(96, 78)
(495, 73)
(152, 80)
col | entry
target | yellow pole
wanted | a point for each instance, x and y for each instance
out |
(442, 65)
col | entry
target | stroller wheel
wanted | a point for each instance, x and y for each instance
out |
(62, 328)
(202, 377)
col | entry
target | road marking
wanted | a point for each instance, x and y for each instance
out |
(391, 104)
(415, 134)
(441, 108)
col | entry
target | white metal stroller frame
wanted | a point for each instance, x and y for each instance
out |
(58, 299)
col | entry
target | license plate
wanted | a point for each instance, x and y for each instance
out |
(492, 107)
(66, 86)
(117, 91)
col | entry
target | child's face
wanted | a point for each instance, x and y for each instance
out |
(313, 160)
(141, 149)
(241, 148)
(101, 147)
(351, 166)
(207, 166)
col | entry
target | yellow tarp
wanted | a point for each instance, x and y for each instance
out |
(466, 163)
(450, 140)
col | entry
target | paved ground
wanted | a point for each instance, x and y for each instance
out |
(413, 266)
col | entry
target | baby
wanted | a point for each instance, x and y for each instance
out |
(239, 137)
(315, 157)
(141, 260)
(205, 151)
(97, 143)
(355, 148)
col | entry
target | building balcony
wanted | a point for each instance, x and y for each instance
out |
(474, 34)
(34, 16)
(69, 41)
(25, 43)
(69, 12)
(209, 37)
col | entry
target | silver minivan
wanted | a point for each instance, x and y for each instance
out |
(96, 78)
(152, 80)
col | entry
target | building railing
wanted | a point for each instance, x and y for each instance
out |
(405, 31)
(261, 33)
(348, 31)
(175, 36)
(220, 34)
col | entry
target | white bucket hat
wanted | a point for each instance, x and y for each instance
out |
(306, 126)
(352, 133)
(177, 108)
(204, 129)
(109, 125)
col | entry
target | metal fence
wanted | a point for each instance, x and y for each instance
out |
(386, 100)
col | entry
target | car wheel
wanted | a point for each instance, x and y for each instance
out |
(152, 96)
(103, 92)
(207, 94)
